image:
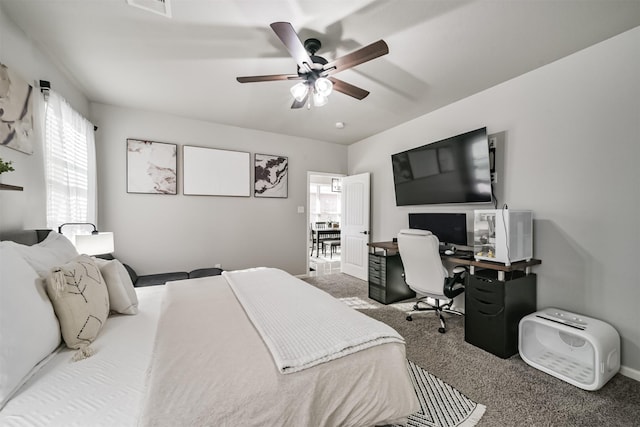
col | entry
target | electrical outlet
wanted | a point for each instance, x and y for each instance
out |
(217, 266)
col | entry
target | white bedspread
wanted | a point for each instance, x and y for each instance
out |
(301, 325)
(211, 368)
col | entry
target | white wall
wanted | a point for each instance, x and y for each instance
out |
(27, 209)
(571, 148)
(160, 233)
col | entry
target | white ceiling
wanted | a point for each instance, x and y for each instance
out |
(440, 51)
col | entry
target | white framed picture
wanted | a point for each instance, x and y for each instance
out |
(16, 111)
(151, 167)
(214, 172)
(271, 176)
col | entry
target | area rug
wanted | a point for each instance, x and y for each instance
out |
(440, 404)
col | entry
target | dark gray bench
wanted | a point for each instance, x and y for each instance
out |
(162, 278)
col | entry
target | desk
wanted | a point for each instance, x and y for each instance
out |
(321, 235)
(392, 247)
(496, 298)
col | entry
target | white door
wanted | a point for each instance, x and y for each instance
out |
(355, 225)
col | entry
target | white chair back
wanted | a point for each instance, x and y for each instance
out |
(423, 269)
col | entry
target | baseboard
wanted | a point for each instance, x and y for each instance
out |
(634, 374)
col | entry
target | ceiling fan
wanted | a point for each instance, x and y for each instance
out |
(315, 71)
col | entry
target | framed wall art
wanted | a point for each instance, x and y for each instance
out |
(214, 172)
(151, 167)
(271, 176)
(16, 111)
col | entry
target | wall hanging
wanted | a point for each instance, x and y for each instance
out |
(16, 111)
(271, 176)
(151, 167)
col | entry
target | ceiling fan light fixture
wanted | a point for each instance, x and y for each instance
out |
(323, 86)
(299, 91)
(319, 100)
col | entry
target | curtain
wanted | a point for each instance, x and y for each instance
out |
(70, 164)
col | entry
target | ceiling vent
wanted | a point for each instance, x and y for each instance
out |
(161, 7)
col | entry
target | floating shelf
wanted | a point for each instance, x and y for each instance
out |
(10, 187)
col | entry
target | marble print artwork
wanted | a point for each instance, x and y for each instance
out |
(151, 167)
(16, 111)
(271, 176)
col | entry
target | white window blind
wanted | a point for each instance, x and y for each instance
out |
(70, 164)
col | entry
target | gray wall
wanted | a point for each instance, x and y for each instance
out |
(570, 146)
(159, 233)
(27, 209)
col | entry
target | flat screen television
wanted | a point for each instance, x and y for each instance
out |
(449, 228)
(453, 170)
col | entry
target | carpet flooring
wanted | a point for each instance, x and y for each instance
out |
(514, 393)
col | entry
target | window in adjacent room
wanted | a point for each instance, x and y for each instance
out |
(70, 164)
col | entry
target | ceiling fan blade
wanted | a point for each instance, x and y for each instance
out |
(300, 104)
(268, 78)
(367, 53)
(289, 37)
(348, 89)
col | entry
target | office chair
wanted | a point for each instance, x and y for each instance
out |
(425, 274)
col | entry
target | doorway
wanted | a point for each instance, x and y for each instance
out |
(324, 210)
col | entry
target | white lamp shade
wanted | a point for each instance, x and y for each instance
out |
(94, 244)
(299, 91)
(319, 100)
(324, 86)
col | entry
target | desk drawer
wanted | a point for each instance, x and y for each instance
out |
(374, 277)
(485, 290)
(378, 293)
(376, 260)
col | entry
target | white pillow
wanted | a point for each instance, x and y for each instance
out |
(80, 300)
(122, 295)
(53, 251)
(29, 329)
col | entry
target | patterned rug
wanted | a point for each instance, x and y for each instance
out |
(441, 405)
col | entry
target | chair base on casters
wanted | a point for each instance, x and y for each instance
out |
(437, 309)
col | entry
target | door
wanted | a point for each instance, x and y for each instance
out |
(355, 225)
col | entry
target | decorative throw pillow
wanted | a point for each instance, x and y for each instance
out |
(122, 295)
(29, 330)
(80, 300)
(53, 251)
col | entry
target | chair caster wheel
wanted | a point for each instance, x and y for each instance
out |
(442, 330)
(409, 318)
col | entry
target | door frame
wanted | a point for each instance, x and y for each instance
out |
(308, 209)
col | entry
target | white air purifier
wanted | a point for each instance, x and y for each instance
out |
(503, 235)
(577, 349)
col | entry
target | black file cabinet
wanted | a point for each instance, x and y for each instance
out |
(386, 284)
(493, 309)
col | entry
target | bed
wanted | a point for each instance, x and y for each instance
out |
(208, 365)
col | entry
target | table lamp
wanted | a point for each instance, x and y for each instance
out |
(95, 244)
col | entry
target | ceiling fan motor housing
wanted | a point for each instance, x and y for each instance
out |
(312, 45)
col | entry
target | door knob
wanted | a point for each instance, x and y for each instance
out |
(364, 232)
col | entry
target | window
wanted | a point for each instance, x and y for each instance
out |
(70, 164)
(325, 204)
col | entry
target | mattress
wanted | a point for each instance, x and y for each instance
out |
(104, 390)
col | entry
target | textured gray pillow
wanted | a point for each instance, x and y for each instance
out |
(80, 300)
